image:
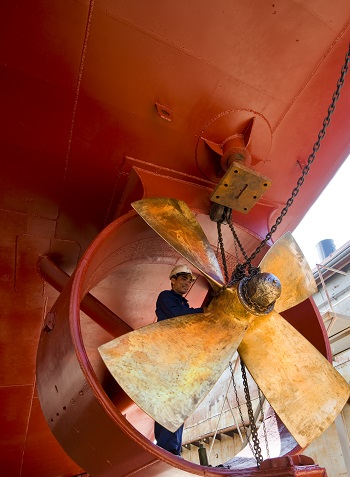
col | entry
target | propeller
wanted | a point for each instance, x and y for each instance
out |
(169, 367)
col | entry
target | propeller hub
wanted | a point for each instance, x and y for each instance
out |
(259, 293)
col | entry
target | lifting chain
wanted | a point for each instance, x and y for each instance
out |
(240, 270)
(255, 438)
(246, 269)
(255, 447)
(222, 249)
(240, 409)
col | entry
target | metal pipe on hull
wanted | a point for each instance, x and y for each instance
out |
(96, 310)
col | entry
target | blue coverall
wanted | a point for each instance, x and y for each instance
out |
(169, 305)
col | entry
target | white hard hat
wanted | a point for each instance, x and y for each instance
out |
(180, 270)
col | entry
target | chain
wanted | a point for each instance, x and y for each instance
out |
(311, 158)
(240, 271)
(263, 421)
(256, 444)
(240, 409)
(237, 241)
(222, 249)
(255, 448)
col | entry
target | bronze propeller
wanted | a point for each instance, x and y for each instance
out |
(169, 367)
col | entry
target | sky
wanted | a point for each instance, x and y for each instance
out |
(328, 218)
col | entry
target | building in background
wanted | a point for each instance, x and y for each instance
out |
(332, 275)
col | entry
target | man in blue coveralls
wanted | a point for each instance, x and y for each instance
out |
(172, 303)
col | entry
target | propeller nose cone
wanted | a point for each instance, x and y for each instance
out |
(259, 293)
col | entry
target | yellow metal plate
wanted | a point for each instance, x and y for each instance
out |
(240, 188)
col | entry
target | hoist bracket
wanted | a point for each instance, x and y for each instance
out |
(240, 188)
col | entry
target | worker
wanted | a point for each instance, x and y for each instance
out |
(172, 303)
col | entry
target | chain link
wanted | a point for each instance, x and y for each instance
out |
(256, 450)
(239, 271)
(255, 438)
(240, 409)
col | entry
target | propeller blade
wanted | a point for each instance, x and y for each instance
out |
(175, 223)
(167, 368)
(303, 388)
(286, 261)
